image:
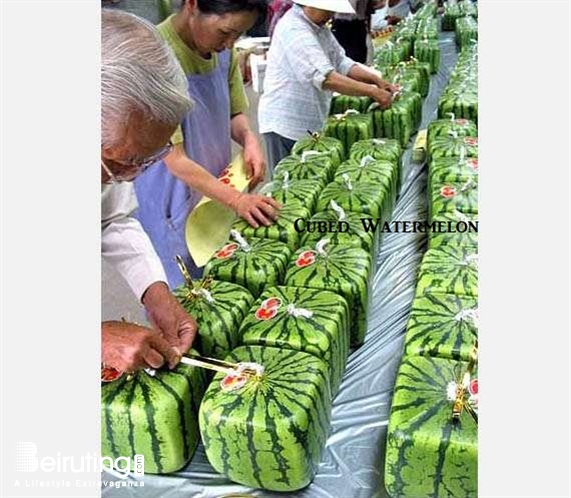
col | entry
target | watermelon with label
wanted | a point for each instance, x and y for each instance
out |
(349, 128)
(359, 197)
(374, 172)
(459, 194)
(430, 453)
(154, 416)
(444, 127)
(282, 229)
(340, 269)
(452, 169)
(426, 50)
(270, 433)
(342, 103)
(320, 143)
(442, 326)
(310, 166)
(449, 270)
(218, 308)
(452, 146)
(454, 229)
(309, 320)
(300, 192)
(252, 263)
(355, 236)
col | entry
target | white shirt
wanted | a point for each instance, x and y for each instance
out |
(301, 56)
(378, 20)
(401, 9)
(124, 243)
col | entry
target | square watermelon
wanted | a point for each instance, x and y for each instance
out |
(268, 432)
(443, 326)
(454, 229)
(301, 192)
(449, 270)
(219, 308)
(154, 416)
(252, 263)
(282, 229)
(358, 197)
(317, 142)
(429, 452)
(349, 127)
(344, 270)
(309, 320)
(317, 166)
(457, 194)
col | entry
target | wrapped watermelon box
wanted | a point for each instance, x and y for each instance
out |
(442, 128)
(268, 431)
(442, 326)
(252, 263)
(153, 415)
(342, 103)
(426, 50)
(311, 165)
(219, 308)
(456, 194)
(344, 270)
(352, 233)
(358, 197)
(375, 172)
(349, 127)
(309, 320)
(432, 439)
(460, 231)
(301, 192)
(282, 229)
(318, 142)
(382, 149)
(449, 270)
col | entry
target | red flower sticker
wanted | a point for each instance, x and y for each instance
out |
(227, 251)
(109, 374)
(448, 191)
(461, 122)
(232, 382)
(472, 141)
(268, 309)
(473, 387)
(266, 313)
(473, 163)
(306, 258)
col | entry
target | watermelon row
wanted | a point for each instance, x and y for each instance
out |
(270, 433)
(466, 31)
(432, 436)
(460, 97)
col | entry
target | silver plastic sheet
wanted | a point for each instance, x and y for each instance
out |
(353, 461)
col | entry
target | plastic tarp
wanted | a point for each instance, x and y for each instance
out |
(352, 465)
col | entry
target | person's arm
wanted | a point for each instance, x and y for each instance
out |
(345, 85)
(365, 74)
(255, 209)
(254, 159)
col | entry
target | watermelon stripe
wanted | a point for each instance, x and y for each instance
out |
(152, 429)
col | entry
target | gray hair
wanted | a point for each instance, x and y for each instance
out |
(139, 72)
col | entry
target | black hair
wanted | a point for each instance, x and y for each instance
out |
(221, 7)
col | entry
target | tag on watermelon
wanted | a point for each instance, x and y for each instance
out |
(233, 382)
(109, 374)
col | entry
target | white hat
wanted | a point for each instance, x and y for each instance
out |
(340, 6)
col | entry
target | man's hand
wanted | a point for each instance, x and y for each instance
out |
(169, 318)
(383, 97)
(254, 160)
(256, 209)
(385, 85)
(127, 347)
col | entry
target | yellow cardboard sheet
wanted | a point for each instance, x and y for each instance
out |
(208, 224)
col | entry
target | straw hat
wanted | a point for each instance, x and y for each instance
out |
(340, 6)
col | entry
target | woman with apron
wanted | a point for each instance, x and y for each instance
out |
(201, 35)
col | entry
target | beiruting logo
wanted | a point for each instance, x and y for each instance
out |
(27, 460)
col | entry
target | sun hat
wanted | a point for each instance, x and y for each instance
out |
(340, 6)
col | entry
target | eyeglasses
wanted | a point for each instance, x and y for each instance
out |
(133, 169)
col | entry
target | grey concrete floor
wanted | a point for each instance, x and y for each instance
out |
(117, 300)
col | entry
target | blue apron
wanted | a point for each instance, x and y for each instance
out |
(164, 201)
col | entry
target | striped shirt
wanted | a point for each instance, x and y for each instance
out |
(301, 56)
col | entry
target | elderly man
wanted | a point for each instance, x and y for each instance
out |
(143, 98)
(306, 65)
